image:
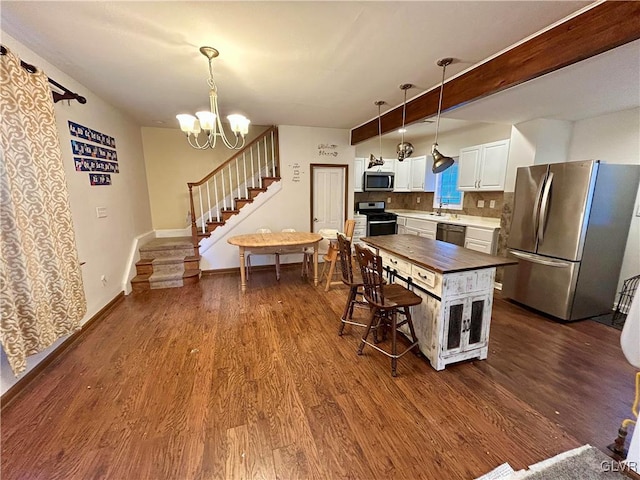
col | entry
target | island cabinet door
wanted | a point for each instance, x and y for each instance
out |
(476, 332)
(454, 310)
(466, 324)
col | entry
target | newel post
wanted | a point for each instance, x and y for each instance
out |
(194, 227)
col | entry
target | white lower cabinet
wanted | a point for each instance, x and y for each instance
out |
(360, 229)
(483, 240)
(422, 228)
(452, 322)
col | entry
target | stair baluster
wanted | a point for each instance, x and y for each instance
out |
(208, 202)
(253, 176)
(244, 168)
(215, 188)
(259, 164)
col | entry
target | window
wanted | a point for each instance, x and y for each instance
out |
(446, 189)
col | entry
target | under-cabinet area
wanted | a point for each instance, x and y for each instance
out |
(456, 286)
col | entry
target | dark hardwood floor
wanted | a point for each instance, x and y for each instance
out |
(203, 382)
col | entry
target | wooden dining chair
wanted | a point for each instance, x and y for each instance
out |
(351, 279)
(263, 251)
(386, 301)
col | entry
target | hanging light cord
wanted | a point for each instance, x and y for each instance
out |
(380, 129)
(404, 111)
(444, 67)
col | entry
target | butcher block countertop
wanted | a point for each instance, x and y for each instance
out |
(435, 255)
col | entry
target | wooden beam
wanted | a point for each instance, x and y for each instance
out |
(602, 28)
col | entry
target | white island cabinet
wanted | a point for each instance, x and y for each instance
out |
(456, 285)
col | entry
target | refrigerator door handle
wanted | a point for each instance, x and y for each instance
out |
(544, 208)
(538, 259)
(536, 211)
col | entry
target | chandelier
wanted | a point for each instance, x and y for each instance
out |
(209, 122)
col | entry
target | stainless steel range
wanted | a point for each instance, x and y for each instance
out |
(379, 222)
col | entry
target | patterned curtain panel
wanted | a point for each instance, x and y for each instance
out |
(41, 291)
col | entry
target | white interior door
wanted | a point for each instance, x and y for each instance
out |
(328, 198)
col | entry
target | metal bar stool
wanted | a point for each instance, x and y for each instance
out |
(354, 282)
(386, 302)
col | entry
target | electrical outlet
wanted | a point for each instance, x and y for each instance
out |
(492, 204)
(388, 199)
(480, 203)
(101, 212)
(417, 199)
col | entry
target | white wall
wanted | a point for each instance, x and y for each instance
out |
(105, 243)
(614, 138)
(290, 207)
(537, 142)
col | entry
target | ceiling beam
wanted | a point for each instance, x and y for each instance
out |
(603, 27)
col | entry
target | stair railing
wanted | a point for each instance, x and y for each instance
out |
(234, 179)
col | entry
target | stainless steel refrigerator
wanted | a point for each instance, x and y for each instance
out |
(568, 232)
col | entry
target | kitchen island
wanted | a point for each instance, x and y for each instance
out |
(456, 285)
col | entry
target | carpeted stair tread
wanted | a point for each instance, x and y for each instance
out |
(173, 243)
(168, 260)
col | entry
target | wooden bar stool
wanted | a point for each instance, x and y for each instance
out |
(386, 302)
(351, 280)
(333, 253)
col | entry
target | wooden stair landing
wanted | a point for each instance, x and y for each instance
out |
(166, 263)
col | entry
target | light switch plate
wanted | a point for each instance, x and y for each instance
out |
(101, 212)
(480, 203)
(492, 204)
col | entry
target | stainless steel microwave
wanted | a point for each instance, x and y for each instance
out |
(378, 181)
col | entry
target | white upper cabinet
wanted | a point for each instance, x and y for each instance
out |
(483, 167)
(403, 178)
(422, 177)
(389, 165)
(358, 171)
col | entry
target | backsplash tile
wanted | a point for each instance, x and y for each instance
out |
(409, 201)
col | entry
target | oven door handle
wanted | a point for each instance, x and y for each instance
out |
(379, 222)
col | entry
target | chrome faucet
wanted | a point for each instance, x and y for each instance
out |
(439, 212)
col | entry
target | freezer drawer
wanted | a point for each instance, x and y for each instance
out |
(542, 283)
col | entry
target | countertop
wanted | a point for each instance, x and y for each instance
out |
(435, 255)
(467, 220)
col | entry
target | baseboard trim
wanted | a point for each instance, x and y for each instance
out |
(20, 385)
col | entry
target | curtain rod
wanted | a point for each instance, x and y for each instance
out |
(67, 95)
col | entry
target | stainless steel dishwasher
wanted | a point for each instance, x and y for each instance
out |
(451, 233)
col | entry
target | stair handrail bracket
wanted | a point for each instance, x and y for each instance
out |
(234, 183)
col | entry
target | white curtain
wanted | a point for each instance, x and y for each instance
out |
(41, 291)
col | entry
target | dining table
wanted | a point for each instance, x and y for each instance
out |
(275, 242)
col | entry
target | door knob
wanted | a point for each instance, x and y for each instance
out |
(315, 219)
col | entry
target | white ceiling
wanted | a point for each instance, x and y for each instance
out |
(302, 63)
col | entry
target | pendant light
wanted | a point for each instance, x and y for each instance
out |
(373, 161)
(404, 149)
(440, 162)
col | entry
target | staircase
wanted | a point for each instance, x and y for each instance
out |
(166, 263)
(234, 184)
(174, 262)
